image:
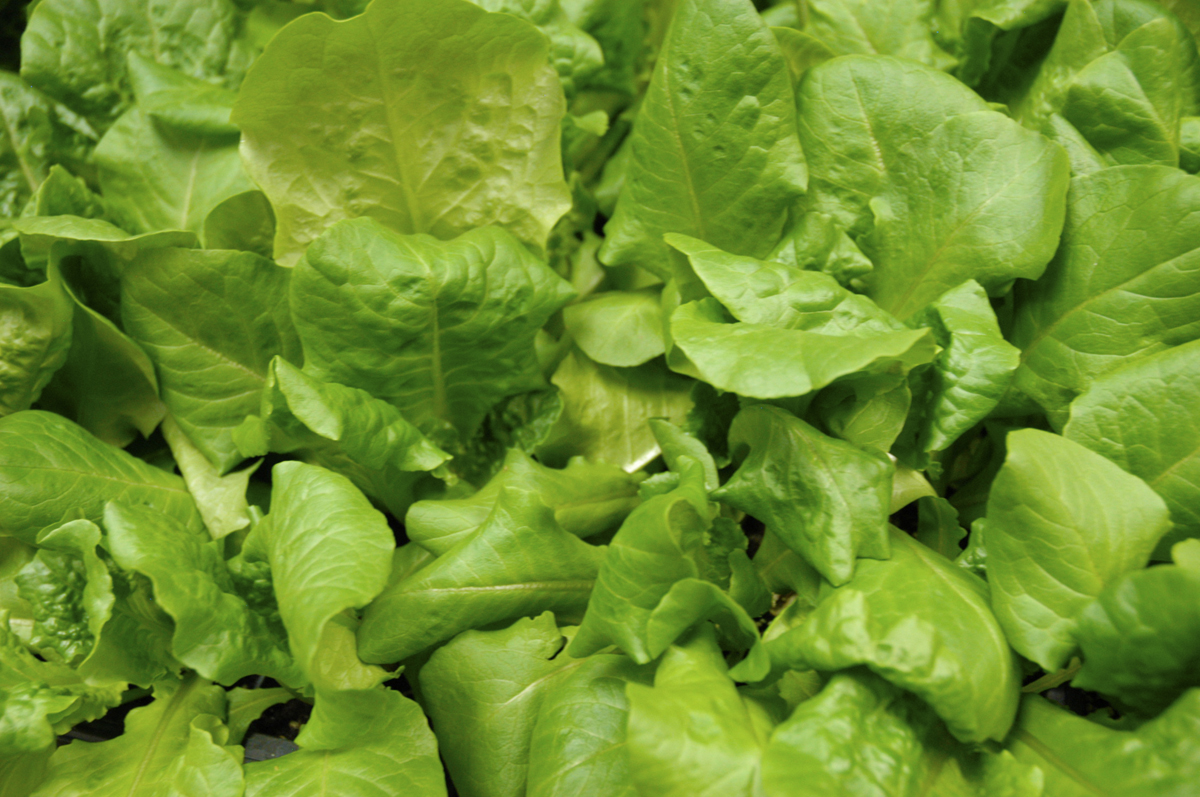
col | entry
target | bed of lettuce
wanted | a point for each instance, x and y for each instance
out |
(556, 398)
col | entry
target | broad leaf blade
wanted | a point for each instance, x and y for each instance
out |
(713, 153)
(216, 633)
(407, 157)
(145, 760)
(826, 499)
(924, 624)
(178, 305)
(491, 685)
(367, 742)
(1131, 236)
(329, 551)
(52, 470)
(1142, 417)
(443, 330)
(1062, 523)
(1139, 639)
(519, 563)
(587, 498)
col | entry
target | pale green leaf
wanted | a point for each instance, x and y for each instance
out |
(344, 429)
(442, 329)
(38, 133)
(180, 306)
(1062, 524)
(330, 551)
(107, 384)
(922, 623)
(713, 152)
(578, 740)
(519, 563)
(490, 685)
(621, 328)
(605, 410)
(75, 50)
(692, 734)
(437, 118)
(183, 724)
(220, 499)
(587, 498)
(361, 743)
(1140, 639)
(37, 324)
(1084, 759)
(905, 28)
(52, 470)
(760, 361)
(1124, 283)
(826, 499)
(1142, 417)
(879, 166)
(216, 633)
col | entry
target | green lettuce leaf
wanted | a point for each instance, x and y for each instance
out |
(91, 253)
(177, 741)
(1130, 236)
(52, 470)
(1081, 758)
(40, 699)
(862, 736)
(100, 619)
(576, 55)
(364, 743)
(344, 429)
(578, 740)
(107, 384)
(38, 324)
(443, 330)
(1121, 74)
(605, 410)
(621, 328)
(407, 157)
(329, 552)
(1140, 639)
(245, 222)
(826, 499)
(922, 623)
(878, 166)
(173, 157)
(247, 705)
(75, 50)
(692, 733)
(655, 547)
(617, 26)
(1062, 524)
(1140, 416)
(176, 303)
(519, 563)
(41, 133)
(216, 633)
(221, 500)
(587, 498)
(492, 685)
(767, 362)
(972, 372)
(905, 29)
(713, 152)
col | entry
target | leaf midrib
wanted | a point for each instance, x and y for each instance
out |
(173, 706)
(1043, 750)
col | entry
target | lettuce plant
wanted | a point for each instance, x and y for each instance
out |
(630, 398)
